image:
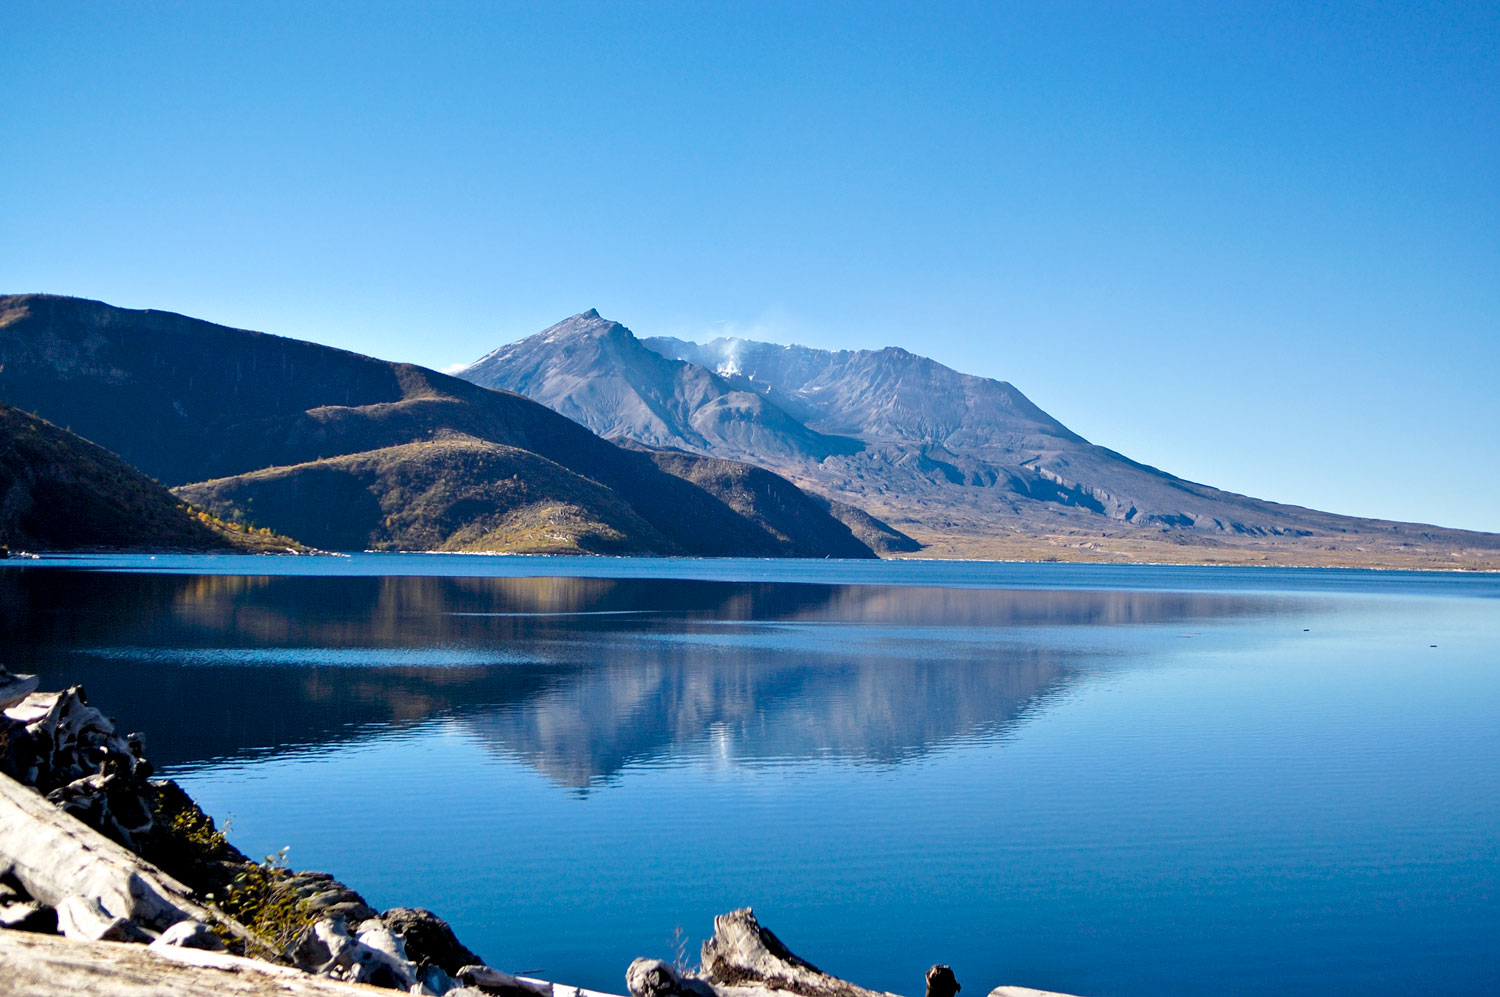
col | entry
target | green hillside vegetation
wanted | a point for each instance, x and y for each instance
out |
(453, 494)
(60, 492)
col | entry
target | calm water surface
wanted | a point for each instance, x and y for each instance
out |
(1097, 779)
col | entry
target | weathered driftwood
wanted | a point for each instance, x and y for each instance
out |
(493, 981)
(56, 858)
(742, 954)
(14, 688)
(62, 747)
(1024, 992)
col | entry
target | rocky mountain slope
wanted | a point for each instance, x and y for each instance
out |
(188, 401)
(967, 465)
(61, 492)
(597, 372)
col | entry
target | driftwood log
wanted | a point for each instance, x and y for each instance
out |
(743, 955)
(14, 688)
(57, 859)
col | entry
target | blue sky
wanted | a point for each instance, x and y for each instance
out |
(1257, 245)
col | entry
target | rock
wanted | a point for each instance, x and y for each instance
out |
(377, 936)
(941, 982)
(655, 978)
(374, 956)
(360, 963)
(434, 980)
(429, 940)
(355, 910)
(742, 953)
(332, 899)
(189, 935)
(85, 918)
(321, 943)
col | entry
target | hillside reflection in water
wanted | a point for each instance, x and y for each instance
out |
(578, 677)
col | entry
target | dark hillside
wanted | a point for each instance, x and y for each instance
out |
(61, 492)
(800, 524)
(456, 494)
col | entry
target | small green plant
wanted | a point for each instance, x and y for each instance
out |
(259, 898)
(192, 825)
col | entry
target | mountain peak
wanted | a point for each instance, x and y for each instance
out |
(591, 313)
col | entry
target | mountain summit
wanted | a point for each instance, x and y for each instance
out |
(967, 465)
(595, 371)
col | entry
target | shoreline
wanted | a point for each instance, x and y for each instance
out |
(32, 557)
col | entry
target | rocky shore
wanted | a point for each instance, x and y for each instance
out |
(115, 882)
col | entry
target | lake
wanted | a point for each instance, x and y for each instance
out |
(1099, 779)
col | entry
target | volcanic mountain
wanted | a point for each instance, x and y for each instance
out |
(967, 465)
(344, 451)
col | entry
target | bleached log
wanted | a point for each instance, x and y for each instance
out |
(14, 688)
(85, 919)
(55, 858)
(502, 983)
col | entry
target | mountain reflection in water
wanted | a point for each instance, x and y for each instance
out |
(578, 677)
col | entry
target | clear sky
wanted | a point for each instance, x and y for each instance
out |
(1254, 244)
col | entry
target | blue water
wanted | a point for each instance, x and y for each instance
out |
(1096, 779)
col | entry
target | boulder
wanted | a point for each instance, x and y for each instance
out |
(189, 934)
(941, 982)
(655, 978)
(429, 940)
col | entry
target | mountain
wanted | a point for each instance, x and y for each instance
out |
(968, 466)
(187, 402)
(58, 491)
(597, 372)
(875, 394)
